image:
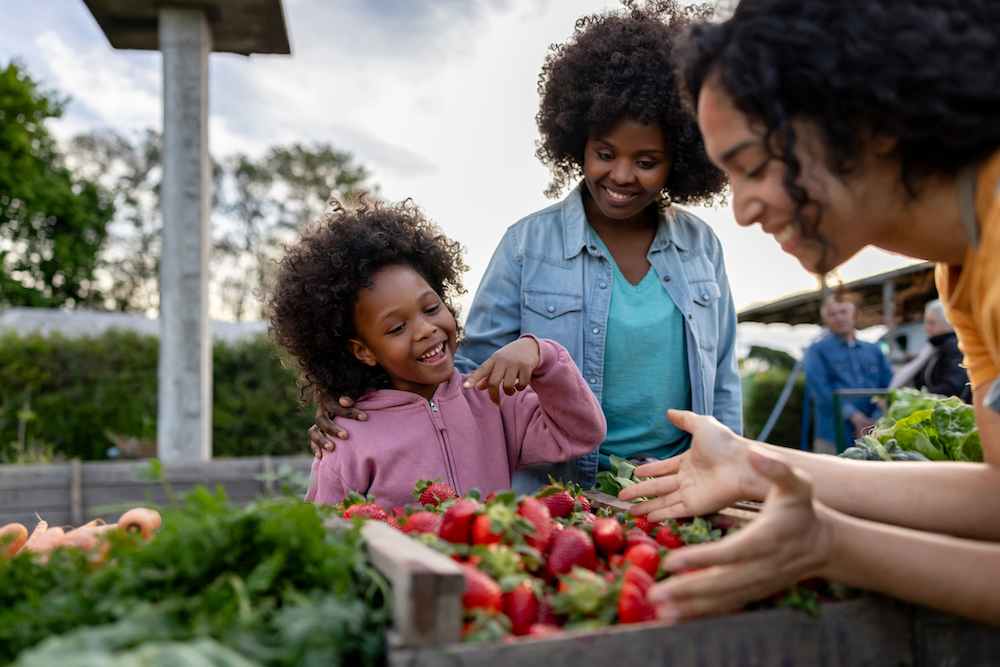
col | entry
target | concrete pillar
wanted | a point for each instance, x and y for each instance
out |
(184, 411)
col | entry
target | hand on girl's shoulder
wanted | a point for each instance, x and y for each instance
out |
(509, 368)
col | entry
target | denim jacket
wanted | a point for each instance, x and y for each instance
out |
(549, 277)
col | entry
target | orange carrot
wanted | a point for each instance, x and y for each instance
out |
(47, 541)
(12, 536)
(85, 540)
(36, 534)
(141, 519)
(92, 524)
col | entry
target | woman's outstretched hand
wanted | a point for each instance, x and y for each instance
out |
(323, 432)
(510, 367)
(714, 473)
(790, 541)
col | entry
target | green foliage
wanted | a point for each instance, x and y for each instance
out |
(619, 475)
(921, 426)
(760, 394)
(82, 391)
(772, 359)
(262, 585)
(51, 224)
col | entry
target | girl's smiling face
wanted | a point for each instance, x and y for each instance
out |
(625, 169)
(405, 327)
(737, 145)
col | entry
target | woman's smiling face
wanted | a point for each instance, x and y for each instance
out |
(405, 327)
(737, 145)
(625, 168)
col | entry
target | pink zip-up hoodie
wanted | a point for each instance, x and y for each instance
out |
(461, 437)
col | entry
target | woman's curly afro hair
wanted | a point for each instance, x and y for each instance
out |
(618, 65)
(926, 72)
(311, 307)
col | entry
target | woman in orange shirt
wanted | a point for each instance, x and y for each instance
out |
(842, 124)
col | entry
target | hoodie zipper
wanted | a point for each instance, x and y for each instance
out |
(445, 445)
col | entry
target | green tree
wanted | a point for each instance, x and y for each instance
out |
(51, 223)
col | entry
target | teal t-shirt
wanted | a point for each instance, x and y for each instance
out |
(645, 370)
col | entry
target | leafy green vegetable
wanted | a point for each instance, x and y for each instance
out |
(619, 476)
(922, 426)
(267, 581)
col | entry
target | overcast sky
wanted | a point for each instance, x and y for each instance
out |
(436, 98)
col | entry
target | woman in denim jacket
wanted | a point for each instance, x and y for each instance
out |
(632, 286)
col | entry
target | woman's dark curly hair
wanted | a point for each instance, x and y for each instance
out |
(926, 72)
(618, 65)
(311, 307)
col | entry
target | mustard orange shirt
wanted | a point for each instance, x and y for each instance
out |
(971, 292)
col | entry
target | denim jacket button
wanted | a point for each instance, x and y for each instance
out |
(666, 279)
(596, 330)
(593, 380)
(603, 285)
(690, 316)
(552, 309)
(704, 297)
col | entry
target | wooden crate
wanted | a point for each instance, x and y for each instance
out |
(874, 630)
(69, 493)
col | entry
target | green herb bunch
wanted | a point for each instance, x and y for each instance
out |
(218, 585)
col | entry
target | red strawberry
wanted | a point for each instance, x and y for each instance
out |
(559, 502)
(645, 556)
(570, 547)
(521, 607)
(634, 536)
(481, 590)
(609, 536)
(491, 497)
(616, 560)
(422, 522)
(639, 577)
(633, 607)
(394, 522)
(537, 513)
(482, 532)
(587, 518)
(546, 614)
(543, 629)
(456, 522)
(433, 492)
(366, 511)
(399, 511)
(668, 538)
(584, 503)
(645, 524)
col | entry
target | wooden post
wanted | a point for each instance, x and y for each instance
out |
(76, 492)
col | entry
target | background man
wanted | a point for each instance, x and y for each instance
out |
(836, 360)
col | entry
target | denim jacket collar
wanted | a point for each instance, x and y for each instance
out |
(577, 233)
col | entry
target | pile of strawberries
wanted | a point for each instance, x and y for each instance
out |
(537, 564)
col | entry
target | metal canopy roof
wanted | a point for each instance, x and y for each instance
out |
(238, 26)
(912, 287)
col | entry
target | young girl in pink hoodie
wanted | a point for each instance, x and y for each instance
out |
(363, 303)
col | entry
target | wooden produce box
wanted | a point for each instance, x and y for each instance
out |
(427, 616)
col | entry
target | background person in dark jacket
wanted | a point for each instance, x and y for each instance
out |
(938, 367)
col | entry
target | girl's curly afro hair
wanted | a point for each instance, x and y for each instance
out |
(618, 65)
(925, 72)
(311, 307)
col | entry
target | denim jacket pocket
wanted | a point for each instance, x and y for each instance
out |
(555, 316)
(551, 304)
(705, 292)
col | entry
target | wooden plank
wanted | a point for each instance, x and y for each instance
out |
(56, 516)
(943, 639)
(14, 477)
(155, 493)
(193, 472)
(427, 586)
(32, 499)
(856, 633)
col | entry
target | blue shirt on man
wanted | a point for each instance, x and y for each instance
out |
(833, 363)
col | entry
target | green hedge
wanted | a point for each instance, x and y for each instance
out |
(79, 392)
(760, 394)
